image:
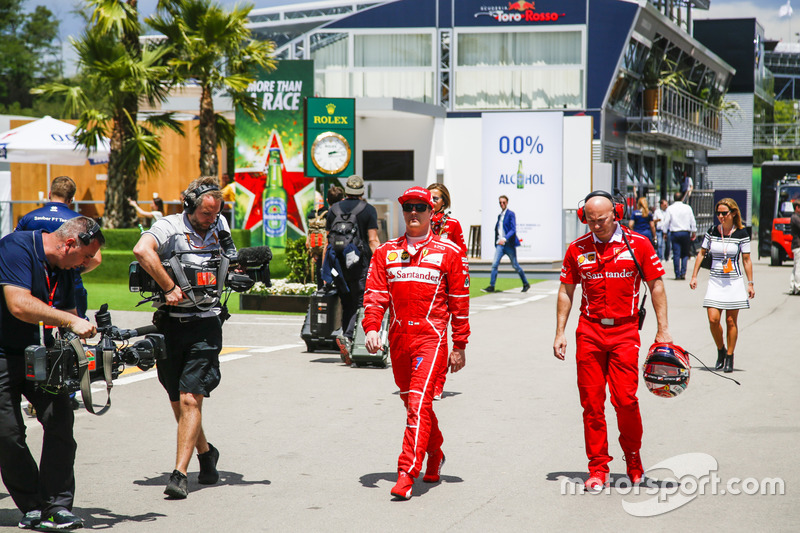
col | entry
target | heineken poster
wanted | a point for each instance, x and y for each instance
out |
(269, 157)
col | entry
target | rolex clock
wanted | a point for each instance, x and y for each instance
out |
(330, 153)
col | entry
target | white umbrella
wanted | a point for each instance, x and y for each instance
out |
(48, 141)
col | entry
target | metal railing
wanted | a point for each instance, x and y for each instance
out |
(769, 136)
(677, 116)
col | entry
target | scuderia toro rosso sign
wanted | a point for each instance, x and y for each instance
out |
(523, 12)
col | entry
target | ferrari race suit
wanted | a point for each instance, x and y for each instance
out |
(607, 337)
(425, 287)
(449, 228)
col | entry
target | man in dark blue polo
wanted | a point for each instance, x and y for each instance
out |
(35, 272)
(49, 218)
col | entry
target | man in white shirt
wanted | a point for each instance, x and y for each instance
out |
(682, 227)
(661, 232)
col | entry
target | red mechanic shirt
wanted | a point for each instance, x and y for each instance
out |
(607, 274)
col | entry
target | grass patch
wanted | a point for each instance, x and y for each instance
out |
(503, 284)
(119, 298)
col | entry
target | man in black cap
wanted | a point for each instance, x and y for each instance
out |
(352, 212)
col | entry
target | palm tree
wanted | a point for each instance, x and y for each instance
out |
(115, 72)
(212, 47)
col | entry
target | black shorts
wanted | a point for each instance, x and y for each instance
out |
(192, 362)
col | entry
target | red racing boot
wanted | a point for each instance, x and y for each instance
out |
(634, 467)
(434, 468)
(402, 488)
(597, 482)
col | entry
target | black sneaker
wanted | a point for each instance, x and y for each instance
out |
(63, 519)
(178, 486)
(31, 519)
(526, 287)
(490, 288)
(208, 466)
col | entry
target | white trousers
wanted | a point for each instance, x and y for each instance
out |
(794, 279)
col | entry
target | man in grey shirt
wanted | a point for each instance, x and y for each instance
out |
(192, 329)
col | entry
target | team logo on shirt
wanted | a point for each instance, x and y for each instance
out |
(404, 255)
(626, 255)
(435, 259)
(425, 252)
(466, 282)
(587, 259)
(392, 256)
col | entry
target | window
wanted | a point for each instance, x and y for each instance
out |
(530, 70)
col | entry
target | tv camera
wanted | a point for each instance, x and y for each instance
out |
(204, 283)
(71, 366)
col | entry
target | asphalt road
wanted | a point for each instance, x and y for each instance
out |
(308, 444)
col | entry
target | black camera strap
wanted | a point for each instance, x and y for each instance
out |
(83, 375)
(642, 310)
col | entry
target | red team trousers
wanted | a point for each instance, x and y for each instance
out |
(608, 355)
(417, 367)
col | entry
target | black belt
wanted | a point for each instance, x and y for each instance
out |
(611, 321)
(192, 318)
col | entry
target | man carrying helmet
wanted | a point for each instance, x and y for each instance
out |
(604, 262)
(424, 281)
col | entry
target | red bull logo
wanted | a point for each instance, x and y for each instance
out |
(522, 5)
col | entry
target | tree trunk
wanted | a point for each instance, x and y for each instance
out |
(123, 175)
(208, 135)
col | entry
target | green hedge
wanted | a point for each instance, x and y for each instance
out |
(118, 255)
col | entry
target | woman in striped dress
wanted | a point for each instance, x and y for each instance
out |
(727, 242)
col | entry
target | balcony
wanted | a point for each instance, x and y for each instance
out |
(675, 117)
(772, 136)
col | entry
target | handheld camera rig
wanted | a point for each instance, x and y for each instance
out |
(70, 366)
(205, 283)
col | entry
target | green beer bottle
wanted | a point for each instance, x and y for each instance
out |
(274, 203)
(520, 176)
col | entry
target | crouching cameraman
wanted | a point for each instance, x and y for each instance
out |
(36, 271)
(193, 333)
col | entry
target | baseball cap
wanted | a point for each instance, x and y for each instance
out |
(416, 193)
(354, 185)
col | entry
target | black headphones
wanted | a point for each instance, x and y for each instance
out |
(619, 207)
(190, 202)
(87, 236)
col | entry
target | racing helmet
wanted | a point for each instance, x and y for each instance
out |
(666, 369)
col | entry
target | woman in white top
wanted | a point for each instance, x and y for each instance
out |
(157, 208)
(726, 242)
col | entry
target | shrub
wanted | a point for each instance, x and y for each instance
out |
(298, 260)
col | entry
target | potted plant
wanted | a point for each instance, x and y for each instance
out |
(290, 295)
(659, 71)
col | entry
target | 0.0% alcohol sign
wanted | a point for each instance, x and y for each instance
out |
(520, 144)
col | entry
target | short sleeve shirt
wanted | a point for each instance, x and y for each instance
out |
(607, 274)
(367, 219)
(49, 218)
(174, 233)
(23, 265)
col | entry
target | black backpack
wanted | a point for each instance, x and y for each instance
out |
(344, 230)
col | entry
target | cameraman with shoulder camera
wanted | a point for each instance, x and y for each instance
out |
(193, 335)
(36, 271)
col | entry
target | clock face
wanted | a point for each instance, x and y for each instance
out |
(330, 153)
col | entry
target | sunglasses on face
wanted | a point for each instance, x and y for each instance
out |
(419, 208)
(723, 213)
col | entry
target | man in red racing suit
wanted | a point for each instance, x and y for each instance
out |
(424, 282)
(607, 337)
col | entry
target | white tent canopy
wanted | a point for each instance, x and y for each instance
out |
(48, 141)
